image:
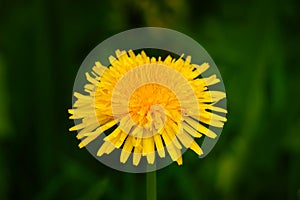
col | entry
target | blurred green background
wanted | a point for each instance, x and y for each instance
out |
(255, 44)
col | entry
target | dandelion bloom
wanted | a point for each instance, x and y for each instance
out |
(148, 105)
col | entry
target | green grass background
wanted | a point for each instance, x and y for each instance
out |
(255, 44)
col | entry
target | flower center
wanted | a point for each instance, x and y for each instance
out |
(149, 105)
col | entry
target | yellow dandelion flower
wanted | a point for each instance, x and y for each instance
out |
(152, 107)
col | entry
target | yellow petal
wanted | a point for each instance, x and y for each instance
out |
(211, 80)
(82, 97)
(108, 125)
(171, 133)
(195, 147)
(170, 146)
(213, 116)
(137, 155)
(90, 138)
(179, 160)
(159, 145)
(91, 79)
(99, 68)
(185, 138)
(173, 151)
(148, 149)
(200, 128)
(77, 127)
(86, 131)
(206, 131)
(107, 147)
(119, 143)
(90, 87)
(127, 148)
(214, 108)
(191, 130)
(201, 68)
(212, 122)
(112, 135)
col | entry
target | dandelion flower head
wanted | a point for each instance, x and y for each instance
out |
(147, 107)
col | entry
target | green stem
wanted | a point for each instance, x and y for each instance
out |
(151, 185)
